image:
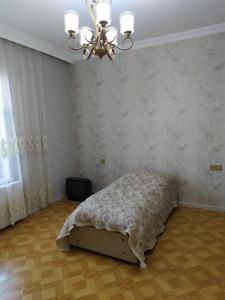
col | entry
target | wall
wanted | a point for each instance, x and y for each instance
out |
(159, 108)
(57, 93)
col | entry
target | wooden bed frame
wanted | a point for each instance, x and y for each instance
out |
(106, 242)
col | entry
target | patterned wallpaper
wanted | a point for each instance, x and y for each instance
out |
(57, 97)
(159, 108)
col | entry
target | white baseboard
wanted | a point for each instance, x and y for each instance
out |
(209, 207)
(188, 204)
(58, 198)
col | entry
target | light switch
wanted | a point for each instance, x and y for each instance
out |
(216, 168)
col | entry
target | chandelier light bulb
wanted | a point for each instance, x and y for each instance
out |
(127, 22)
(103, 12)
(71, 21)
(111, 35)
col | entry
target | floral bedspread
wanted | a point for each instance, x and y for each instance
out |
(137, 204)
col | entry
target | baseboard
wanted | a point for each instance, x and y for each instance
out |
(188, 204)
(209, 207)
(58, 198)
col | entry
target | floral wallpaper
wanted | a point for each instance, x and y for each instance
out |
(160, 108)
(57, 94)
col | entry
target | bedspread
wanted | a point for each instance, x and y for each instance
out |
(137, 204)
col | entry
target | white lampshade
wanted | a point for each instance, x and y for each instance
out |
(127, 22)
(111, 35)
(86, 35)
(103, 11)
(71, 21)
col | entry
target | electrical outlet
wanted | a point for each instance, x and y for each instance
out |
(103, 161)
(216, 168)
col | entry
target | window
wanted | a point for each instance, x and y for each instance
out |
(9, 160)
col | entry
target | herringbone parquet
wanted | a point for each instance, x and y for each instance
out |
(188, 262)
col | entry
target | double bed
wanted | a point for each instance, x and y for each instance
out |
(124, 219)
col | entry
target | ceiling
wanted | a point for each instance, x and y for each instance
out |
(43, 19)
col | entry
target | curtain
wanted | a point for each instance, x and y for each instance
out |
(24, 187)
(12, 201)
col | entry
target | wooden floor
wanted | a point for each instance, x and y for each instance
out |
(188, 262)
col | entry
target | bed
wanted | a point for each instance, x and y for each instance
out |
(124, 219)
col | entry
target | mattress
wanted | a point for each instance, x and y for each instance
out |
(137, 204)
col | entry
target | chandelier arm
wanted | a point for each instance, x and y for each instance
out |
(91, 42)
(90, 54)
(126, 49)
(73, 48)
(96, 41)
(84, 52)
(113, 52)
(107, 52)
(110, 42)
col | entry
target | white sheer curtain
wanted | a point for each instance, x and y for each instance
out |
(12, 201)
(24, 185)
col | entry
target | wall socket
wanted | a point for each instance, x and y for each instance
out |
(103, 162)
(216, 168)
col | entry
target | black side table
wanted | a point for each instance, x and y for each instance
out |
(78, 189)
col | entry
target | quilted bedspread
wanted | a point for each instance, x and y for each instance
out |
(137, 204)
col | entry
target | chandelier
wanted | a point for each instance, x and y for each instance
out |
(103, 39)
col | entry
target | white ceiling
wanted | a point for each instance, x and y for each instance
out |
(43, 19)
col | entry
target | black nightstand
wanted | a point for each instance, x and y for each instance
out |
(78, 189)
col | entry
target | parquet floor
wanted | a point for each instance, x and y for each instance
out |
(188, 262)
